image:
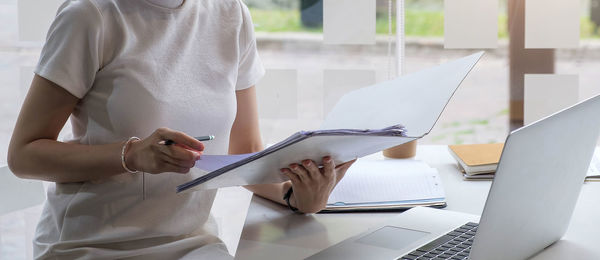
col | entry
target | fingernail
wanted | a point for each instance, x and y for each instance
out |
(282, 170)
(327, 160)
(307, 163)
(293, 166)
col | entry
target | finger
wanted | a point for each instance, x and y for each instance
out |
(292, 176)
(180, 138)
(178, 153)
(180, 163)
(168, 167)
(328, 167)
(287, 170)
(300, 171)
(187, 147)
(312, 169)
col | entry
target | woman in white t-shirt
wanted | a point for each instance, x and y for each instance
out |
(121, 69)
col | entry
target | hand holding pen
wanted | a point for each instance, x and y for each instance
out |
(200, 138)
(165, 150)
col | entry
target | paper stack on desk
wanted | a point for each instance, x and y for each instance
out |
(476, 159)
(478, 162)
(387, 184)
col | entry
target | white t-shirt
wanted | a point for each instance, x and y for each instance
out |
(137, 66)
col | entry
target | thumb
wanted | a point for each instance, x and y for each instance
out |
(345, 166)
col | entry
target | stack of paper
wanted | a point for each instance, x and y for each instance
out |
(593, 173)
(369, 143)
(477, 159)
(387, 184)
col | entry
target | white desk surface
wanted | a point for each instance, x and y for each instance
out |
(273, 232)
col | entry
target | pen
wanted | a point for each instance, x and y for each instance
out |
(199, 138)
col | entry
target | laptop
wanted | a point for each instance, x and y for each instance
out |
(529, 206)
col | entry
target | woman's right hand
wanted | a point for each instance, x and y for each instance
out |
(147, 155)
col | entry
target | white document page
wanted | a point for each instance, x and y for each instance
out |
(211, 163)
(388, 180)
(341, 144)
(415, 100)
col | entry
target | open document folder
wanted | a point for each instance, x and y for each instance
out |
(414, 101)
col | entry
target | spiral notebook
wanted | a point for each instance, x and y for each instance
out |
(387, 185)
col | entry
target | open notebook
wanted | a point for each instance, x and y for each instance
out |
(415, 101)
(387, 184)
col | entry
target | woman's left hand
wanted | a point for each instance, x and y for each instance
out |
(312, 185)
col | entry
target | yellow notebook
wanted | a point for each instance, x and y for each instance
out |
(477, 158)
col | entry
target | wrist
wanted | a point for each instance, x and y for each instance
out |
(286, 186)
(289, 198)
(293, 202)
(130, 157)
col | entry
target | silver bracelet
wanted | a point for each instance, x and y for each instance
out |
(124, 150)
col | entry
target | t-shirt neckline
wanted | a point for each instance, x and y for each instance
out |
(164, 8)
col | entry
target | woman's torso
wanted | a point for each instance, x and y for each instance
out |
(160, 67)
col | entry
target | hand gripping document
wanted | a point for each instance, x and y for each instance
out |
(364, 121)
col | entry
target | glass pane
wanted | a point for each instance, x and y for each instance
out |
(349, 21)
(548, 94)
(470, 24)
(552, 24)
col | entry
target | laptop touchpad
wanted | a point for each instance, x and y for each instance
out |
(394, 238)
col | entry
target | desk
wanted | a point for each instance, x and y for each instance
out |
(273, 232)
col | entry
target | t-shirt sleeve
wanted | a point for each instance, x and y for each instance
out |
(71, 56)
(250, 68)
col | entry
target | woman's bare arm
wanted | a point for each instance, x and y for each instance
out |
(245, 138)
(35, 153)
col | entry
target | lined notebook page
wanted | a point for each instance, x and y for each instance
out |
(374, 181)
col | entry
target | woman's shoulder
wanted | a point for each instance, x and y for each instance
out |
(229, 6)
(79, 10)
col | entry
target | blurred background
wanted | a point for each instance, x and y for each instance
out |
(306, 75)
(290, 32)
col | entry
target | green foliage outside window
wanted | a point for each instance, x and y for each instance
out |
(419, 23)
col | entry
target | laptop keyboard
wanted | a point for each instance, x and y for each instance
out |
(455, 245)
